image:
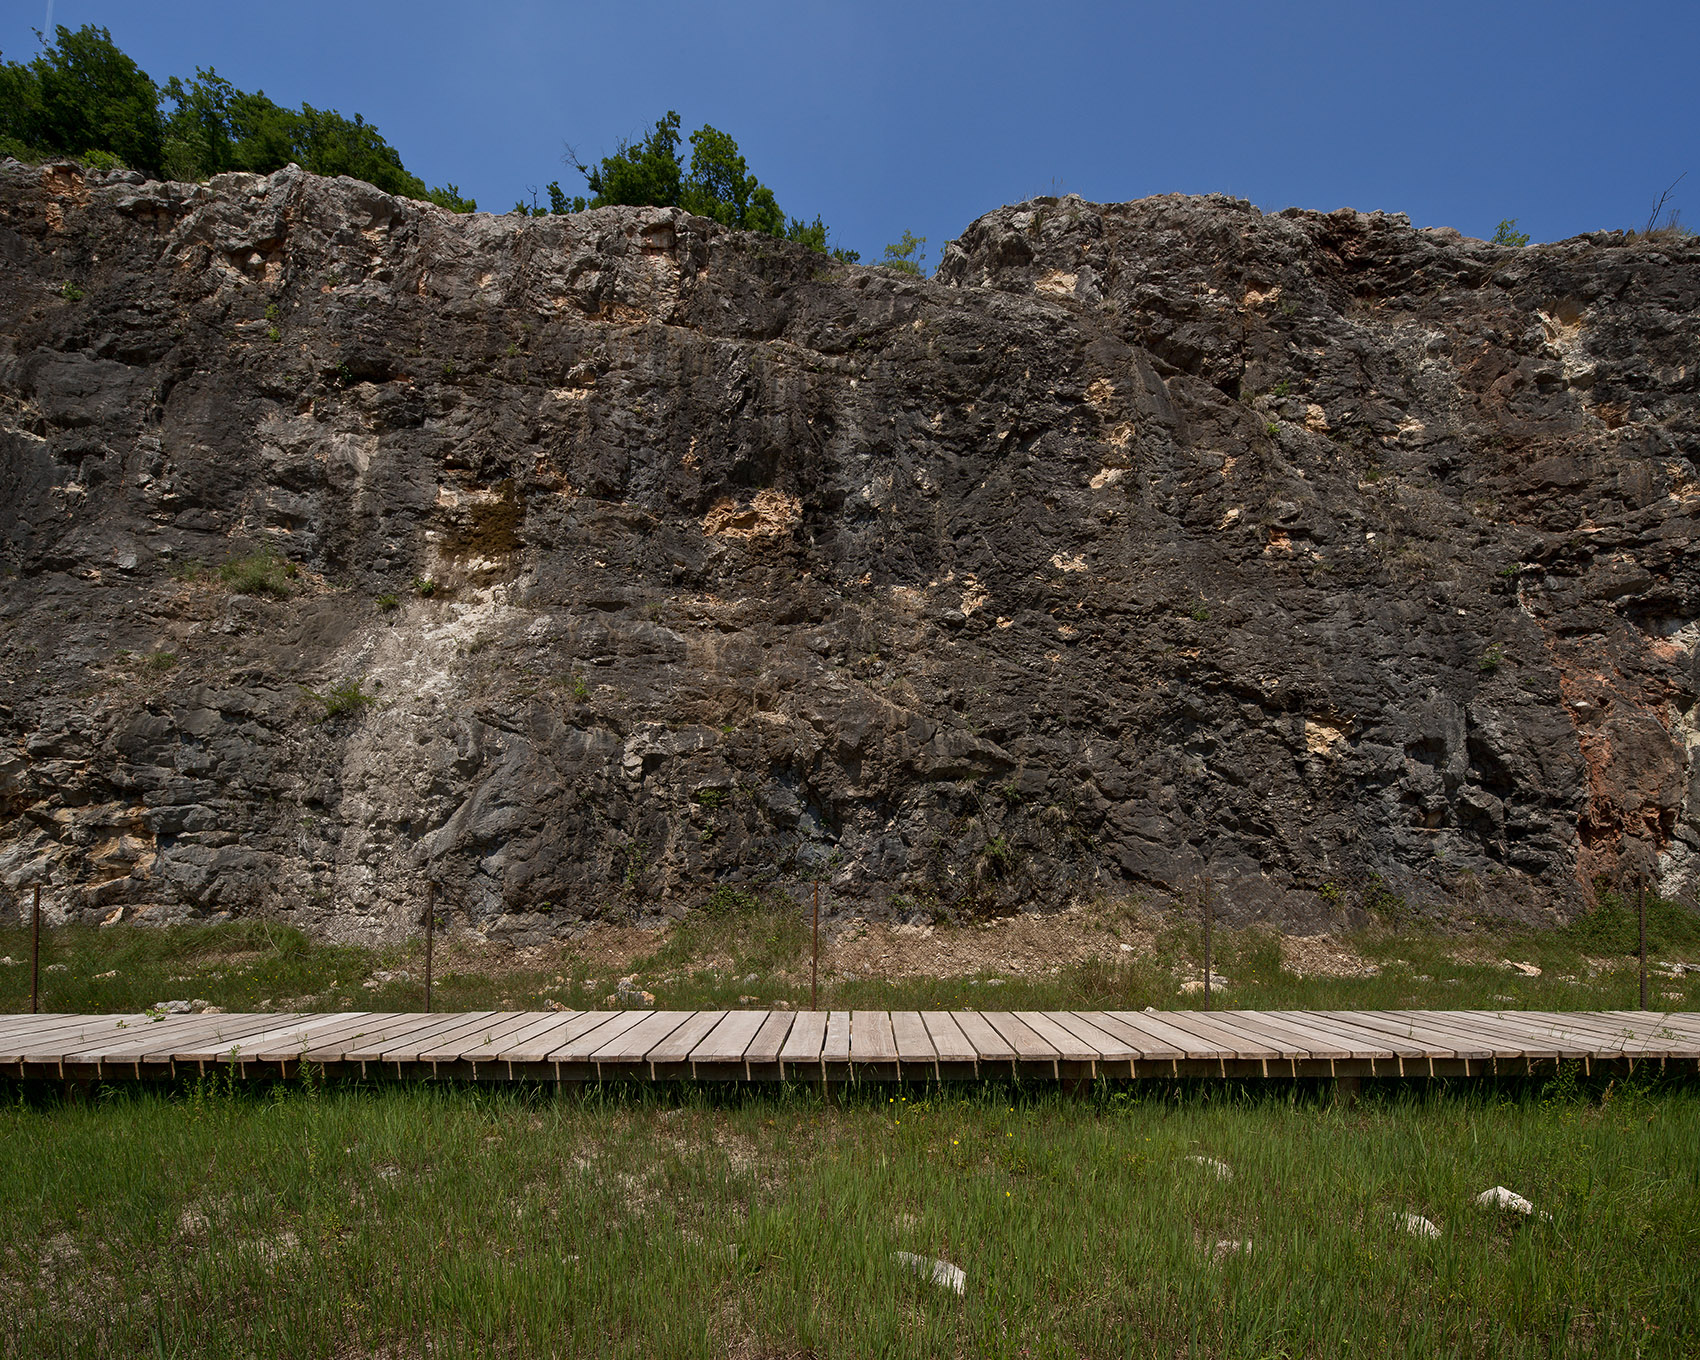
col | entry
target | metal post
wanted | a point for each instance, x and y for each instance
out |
(35, 954)
(814, 961)
(1642, 881)
(430, 937)
(1209, 920)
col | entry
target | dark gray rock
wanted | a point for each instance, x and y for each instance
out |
(1349, 562)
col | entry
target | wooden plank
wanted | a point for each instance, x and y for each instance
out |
(547, 1038)
(67, 1029)
(989, 1045)
(1109, 1047)
(1068, 1046)
(804, 1043)
(1147, 1047)
(836, 1047)
(1613, 1036)
(1188, 1047)
(1433, 1044)
(914, 1044)
(481, 1046)
(418, 1028)
(153, 1042)
(631, 1046)
(765, 1048)
(275, 1043)
(871, 1038)
(677, 1046)
(950, 1044)
(1317, 1044)
(1504, 1041)
(1236, 1042)
(1029, 1047)
(334, 1045)
(727, 1041)
(579, 1048)
(407, 1048)
(1359, 1043)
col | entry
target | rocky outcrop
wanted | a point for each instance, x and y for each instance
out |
(585, 563)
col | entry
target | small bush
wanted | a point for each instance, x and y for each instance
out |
(259, 573)
(424, 587)
(1491, 660)
(387, 602)
(70, 292)
(1506, 234)
(338, 700)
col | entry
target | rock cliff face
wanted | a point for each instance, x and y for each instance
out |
(629, 556)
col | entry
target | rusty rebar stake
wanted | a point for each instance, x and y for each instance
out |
(814, 958)
(430, 937)
(35, 954)
(1642, 882)
(1209, 920)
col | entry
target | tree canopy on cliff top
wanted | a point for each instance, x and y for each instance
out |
(717, 183)
(82, 97)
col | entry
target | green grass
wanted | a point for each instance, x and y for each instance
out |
(420, 1222)
(260, 573)
(745, 945)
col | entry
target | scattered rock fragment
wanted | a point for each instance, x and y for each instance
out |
(1223, 1171)
(941, 1273)
(1417, 1225)
(386, 975)
(1498, 1197)
(1526, 969)
(1230, 1246)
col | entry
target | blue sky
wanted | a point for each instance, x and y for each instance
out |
(1569, 117)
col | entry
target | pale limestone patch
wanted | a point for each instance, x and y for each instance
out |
(769, 514)
(1100, 392)
(1063, 562)
(1120, 436)
(1231, 517)
(1316, 419)
(1253, 298)
(1323, 737)
(1107, 477)
(1057, 284)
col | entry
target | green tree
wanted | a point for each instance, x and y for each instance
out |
(83, 97)
(906, 254)
(1506, 234)
(717, 184)
(82, 94)
(647, 174)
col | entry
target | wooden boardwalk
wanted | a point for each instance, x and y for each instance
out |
(837, 1046)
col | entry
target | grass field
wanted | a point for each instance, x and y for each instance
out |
(416, 1222)
(407, 1222)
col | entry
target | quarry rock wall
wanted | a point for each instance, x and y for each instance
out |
(587, 563)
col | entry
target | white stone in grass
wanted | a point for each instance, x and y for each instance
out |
(941, 1273)
(1418, 1226)
(1223, 1171)
(1231, 1246)
(8, 962)
(1500, 1198)
(1526, 969)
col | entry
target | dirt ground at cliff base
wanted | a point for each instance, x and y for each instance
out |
(1028, 945)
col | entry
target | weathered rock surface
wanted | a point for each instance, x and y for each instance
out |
(1346, 560)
